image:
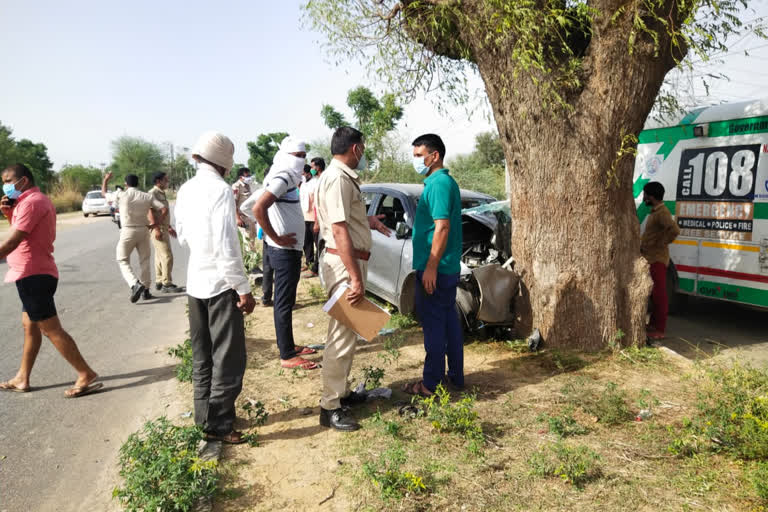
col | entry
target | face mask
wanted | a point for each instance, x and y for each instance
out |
(362, 164)
(313, 172)
(419, 166)
(9, 189)
(248, 180)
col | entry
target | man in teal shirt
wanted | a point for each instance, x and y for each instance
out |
(437, 240)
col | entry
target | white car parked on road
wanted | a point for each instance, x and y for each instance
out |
(95, 203)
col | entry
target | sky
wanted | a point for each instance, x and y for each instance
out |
(78, 74)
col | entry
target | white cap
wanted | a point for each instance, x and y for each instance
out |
(216, 148)
(293, 145)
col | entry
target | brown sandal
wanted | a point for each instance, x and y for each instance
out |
(303, 364)
(417, 388)
(233, 437)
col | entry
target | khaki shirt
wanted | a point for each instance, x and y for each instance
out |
(159, 195)
(338, 199)
(242, 192)
(134, 206)
(660, 231)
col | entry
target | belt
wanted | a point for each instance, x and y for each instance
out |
(361, 255)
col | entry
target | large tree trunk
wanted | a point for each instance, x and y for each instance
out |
(575, 231)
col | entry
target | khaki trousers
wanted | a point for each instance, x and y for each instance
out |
(341, 340)
(134, 238)
(163, 258)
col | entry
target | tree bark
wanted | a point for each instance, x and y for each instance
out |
(575, 231)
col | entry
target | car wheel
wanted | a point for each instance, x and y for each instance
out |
(86, 214)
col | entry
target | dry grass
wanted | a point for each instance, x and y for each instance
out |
(299, 464)
(66, 197)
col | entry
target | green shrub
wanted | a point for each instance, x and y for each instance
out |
(459, 418)
(400, 321)
(183, 352)
(387, 475)
(317, 292)
(564, 425)
(733, 410)
(162, 471)
(392, 344)
(608, 405)
(372, 377)
(575, 465)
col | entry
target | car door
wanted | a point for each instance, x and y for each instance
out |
(386, 256)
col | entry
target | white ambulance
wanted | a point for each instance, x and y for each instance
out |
(714, 167)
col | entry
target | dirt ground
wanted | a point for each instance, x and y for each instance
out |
(301, 466)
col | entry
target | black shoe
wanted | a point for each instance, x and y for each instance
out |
(267, 303)
(172, 288)
(146, 295)
(353, 398)
(136, 291)
(158, 286)
(338, 419)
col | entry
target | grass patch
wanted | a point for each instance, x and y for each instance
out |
(564, 424)
(317, 292)
(183, 352)
(66, 197)
(608, 405)
(576, 465)
(161, 469)
(386, 474)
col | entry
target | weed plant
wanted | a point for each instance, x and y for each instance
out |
(564, 424)
(183, 352)
(759, 478)
(372, 377)
(317, 292)
(400, 321)
(386, 474)
(459, 418)
(609, 406)
(392, 344)
(576, 465)
(162, 471)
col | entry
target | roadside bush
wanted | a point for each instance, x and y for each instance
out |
(576, 465)
(183, 352)
(162, 471)
(66, 197)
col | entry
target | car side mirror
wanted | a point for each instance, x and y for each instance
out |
(402, 230)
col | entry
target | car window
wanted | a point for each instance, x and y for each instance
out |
(94, 195)
(392, 209)
(368, 197)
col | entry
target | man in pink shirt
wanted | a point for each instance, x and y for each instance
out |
(29, 250)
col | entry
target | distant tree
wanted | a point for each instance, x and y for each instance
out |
(33, 155)
(80, 177)
(134, 155)
(374, 117)
(483, 169)
(262, 152)
(488, 149)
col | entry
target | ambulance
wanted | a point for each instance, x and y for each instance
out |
(714, 167)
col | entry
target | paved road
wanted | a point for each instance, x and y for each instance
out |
(59, 454)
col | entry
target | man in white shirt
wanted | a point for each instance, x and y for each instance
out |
(307, 193)
(278, 212)
(218, 289)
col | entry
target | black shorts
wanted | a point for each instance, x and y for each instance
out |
(36, 294)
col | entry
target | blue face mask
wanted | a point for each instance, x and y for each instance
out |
(419, 166)
(9, 189)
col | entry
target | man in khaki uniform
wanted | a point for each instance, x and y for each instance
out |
(136, 217)
(243, 188)
(346, 229)
(161, 233)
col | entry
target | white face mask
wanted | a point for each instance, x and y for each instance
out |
(362, 164)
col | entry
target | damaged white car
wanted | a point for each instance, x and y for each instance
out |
(488, 285)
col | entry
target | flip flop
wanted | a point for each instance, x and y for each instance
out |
(305, 351)
(78, 391)
(301, 363)
(7, 386)
(417, 388)
(655, 335)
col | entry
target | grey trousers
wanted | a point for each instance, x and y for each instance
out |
(217, 332)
